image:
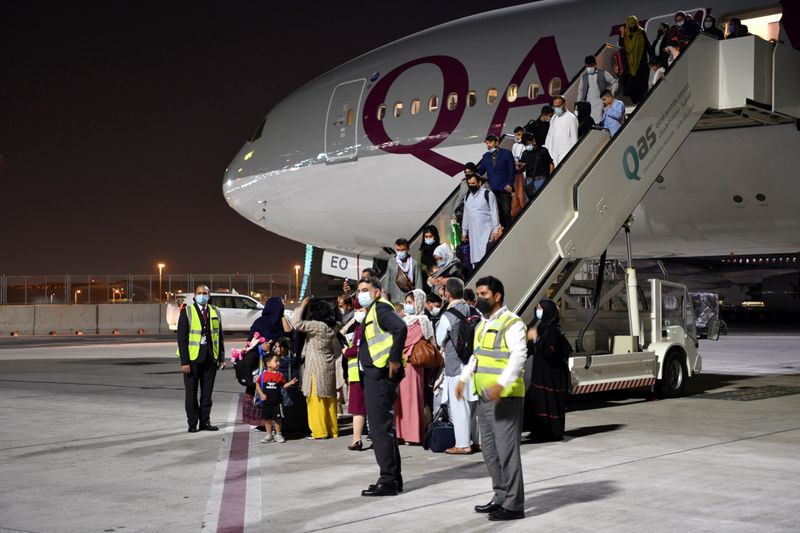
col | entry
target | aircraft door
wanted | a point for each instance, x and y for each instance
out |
(341, 126)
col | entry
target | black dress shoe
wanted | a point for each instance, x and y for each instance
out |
(503, 514)
(356, 447)
(193, 429)
(488, 508)
(381, 489)
(208, 427)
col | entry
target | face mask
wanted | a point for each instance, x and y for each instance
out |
(483, 305)
(441, 263)
(591, 70)
(539, 313)
(473, 188)
(201, 299)
(402, 256)
(633, 29)
(517, 139)
(365, 299)
(360, 316)
(707, 24)
(434, 311)
(731, 28)
(408, 309)
(429, 241)
(660, 31)
(679, 22)
(492, 150)
(559, 110)
(529, 148)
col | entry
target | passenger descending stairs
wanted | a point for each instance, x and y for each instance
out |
(597, 186)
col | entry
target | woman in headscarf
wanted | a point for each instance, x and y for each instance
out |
(430, 240)
(316, 320)
(545, 401)
(583, 110)
(447, 266)
(409, 407)
(636, 52)
(272, 323)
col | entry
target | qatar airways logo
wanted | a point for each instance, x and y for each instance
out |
(544, 55)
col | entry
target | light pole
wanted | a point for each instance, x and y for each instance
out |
(297, 281)
(160, 272)
(75, 297)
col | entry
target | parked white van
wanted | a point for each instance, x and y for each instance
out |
(238, 311)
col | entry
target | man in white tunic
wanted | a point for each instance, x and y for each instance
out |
(481, 222)
(593, 82)
(563, 132)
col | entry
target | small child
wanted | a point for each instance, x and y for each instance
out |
(268, 387)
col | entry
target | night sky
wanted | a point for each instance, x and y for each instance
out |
(117, 120)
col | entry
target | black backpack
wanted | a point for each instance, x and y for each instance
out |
(466, 332)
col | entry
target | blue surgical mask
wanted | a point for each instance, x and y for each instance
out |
(591, 70)
(529, 148)
(441, 263)
(492, 150)
(559, 110)
(429, 241)
(201, 299)
(539, 313)
(402, 256)
(408, 309)
(365, 299)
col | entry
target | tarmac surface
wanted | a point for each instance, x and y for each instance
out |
(94, 439)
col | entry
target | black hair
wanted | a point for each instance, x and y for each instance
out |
(654, 60)
(401, 242)
(607, 92)
(547, 110)
(589, 60)
(372, 273)
(284, 343)
(491, 137)
(471, 166)
(454, 287)
(372, 281)
(433, 298)
(469, 295)
(493, 284)
(528, 137)
(519, 129)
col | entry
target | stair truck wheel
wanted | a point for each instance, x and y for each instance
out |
(673, 375)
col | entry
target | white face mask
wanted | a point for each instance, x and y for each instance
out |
(434, 311)
(360, 316)
(591, 70)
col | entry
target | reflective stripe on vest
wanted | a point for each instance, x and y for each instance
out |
(352, 370)
(492, 353)
(379, 342)
(196, 332)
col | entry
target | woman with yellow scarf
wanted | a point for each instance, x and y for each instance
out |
(635, 53)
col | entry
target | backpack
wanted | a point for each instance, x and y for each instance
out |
(466, 333)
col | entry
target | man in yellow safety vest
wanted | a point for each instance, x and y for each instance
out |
(380, 356)
(496, 368)
(201, 350)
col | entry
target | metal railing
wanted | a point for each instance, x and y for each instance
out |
(135, 288)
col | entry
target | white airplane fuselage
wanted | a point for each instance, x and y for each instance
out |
(326, 170)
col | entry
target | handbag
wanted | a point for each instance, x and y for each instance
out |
(440, 434)
(403, 282)
(425, 355)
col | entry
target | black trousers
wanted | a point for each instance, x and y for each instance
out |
(380, 393)
(202, 375)
(503, 207)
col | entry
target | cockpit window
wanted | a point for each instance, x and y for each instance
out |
(258, 131)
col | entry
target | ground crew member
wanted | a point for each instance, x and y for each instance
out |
(202, 351)
(496, 367)
(380, 355)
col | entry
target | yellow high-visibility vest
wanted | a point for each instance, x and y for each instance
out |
(379, 342)
(352, 370)
(492, 354)
(196, 331)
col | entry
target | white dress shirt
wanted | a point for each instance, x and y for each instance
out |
(515, 337)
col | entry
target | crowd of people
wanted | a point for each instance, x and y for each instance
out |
(418, 342)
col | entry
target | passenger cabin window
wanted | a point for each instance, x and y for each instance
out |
(472, 98)
(398, 109)
(433, 103)
(415, 106)
(511, 92)
(554, 88)
(452, 101)
(533, 90)
(259, 131)
(491, 96)
(381, 111)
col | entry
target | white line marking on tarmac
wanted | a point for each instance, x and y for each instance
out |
(252, 509)
(214, 503)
